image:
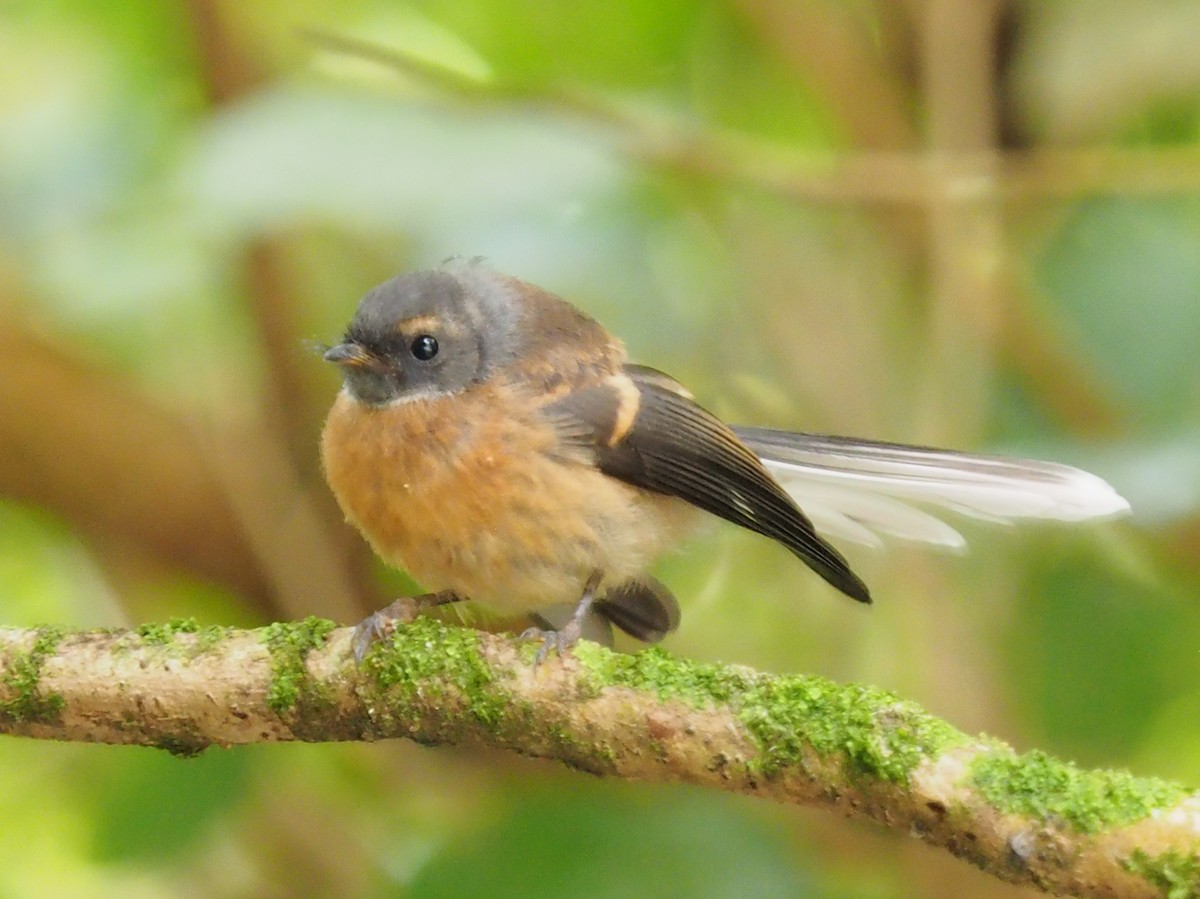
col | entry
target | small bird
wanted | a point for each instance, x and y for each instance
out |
(496, 443)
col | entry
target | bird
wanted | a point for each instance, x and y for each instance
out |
(496, 442)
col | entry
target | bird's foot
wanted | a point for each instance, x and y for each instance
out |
(382, 624)
(559, 641)
(564, 638)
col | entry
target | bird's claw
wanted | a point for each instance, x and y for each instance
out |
(561, 641)
(381, 625)
(375, 627)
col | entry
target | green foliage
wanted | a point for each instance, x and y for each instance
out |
(1127, 272)
(164, 231)
(162, 634)
(583, 839)
(45, 572)
(149, 806)
(1064, 596)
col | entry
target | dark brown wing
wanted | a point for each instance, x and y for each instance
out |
(643, 428)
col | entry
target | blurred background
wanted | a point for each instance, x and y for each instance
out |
(969, 223)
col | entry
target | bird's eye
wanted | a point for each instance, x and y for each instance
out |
(424, 347)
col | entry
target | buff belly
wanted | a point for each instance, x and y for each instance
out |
(467, 494)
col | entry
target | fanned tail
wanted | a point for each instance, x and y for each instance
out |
(864, 491)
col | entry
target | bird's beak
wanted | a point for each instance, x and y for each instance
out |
(349, 354)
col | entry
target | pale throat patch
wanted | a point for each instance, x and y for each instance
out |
(425, 393)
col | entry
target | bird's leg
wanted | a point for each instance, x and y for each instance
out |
(380, 625)
(562, 640)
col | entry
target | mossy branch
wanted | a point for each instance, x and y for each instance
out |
(1026, 819)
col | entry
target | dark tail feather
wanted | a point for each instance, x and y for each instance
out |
(643, 608)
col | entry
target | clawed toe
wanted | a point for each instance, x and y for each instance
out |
(382, 624)
(561, 641)
(375, 627)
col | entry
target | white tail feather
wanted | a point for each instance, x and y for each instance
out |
(863, 491)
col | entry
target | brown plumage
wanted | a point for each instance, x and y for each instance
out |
(474, 493)
(493, 441)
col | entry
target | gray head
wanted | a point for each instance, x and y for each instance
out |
(428, 334)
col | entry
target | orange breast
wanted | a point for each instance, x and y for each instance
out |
(468, 493)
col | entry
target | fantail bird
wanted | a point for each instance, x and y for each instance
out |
(496, 443)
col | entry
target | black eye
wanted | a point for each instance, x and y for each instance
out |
(424, 347)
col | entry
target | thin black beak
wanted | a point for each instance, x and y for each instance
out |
(349, 354)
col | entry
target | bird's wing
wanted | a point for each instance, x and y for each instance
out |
(643, 428)
(863, 490)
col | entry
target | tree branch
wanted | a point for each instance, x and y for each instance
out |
(1027, 819)
(92, 448)
(880, 177)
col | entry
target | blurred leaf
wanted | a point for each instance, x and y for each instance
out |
(738, 86)
(365, 162)
(617, 44)
(150, 806)
(1128, 272)
(46, 575)
(1088, 68)
(1096, 659)
(1161, 480)
(1171, 746)
(58, 156)
(617, 843)
(90, 96)
(410, 33)
(44, 829)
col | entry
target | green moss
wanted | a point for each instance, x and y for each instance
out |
(1036, 785)
(23, 678)
(165, 634)
(289, 644)
(158, 634)
(207, 638)
(1175, 873)
(420, 655)
(876, 733)
(666, 676)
